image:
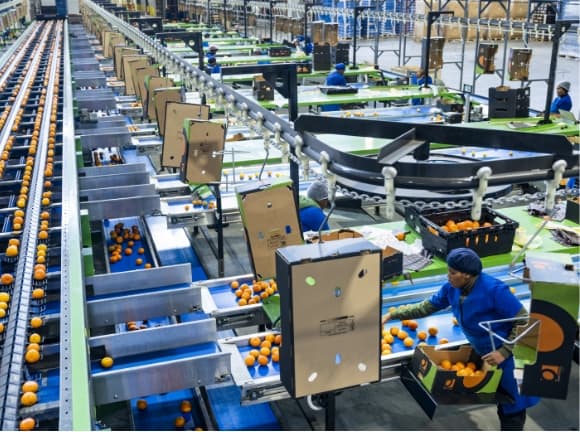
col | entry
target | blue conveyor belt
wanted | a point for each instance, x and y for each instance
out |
(223, 295)
(230, 415)
(131, 157)
(258, 371)
(145, 359)
(128, 262)
(49, 388)
(162, 410)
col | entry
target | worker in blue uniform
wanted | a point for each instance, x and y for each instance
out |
(422, 78)
(213, 66)
(212, 51)
(335, 78)
(563, 101)
(474, 297)
(311, 207)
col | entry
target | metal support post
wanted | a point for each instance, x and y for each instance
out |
(225, 16)
(219, 229)
(357, 11)
(431, 18)
(561, 28)
(272, 20)
(245, 18)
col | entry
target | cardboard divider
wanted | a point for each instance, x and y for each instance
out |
(174, 145)
(139, 78)
(161, 97)
(203, 159)
(152, 84)
(120, 52)
(110, 40)
(130, 64)
(270, 218)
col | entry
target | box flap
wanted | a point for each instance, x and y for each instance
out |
(130, 64)
(203, 160)
(152, 84)
(139, 78)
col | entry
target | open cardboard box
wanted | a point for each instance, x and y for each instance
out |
(445, 386)
(270, 218)
(174, 139)
(392, 259)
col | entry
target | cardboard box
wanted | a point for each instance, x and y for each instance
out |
(130, 63)
(174, 144)
(120, 52)
(270, 217)
(162, 96)
(555, 299)
(446, 386)
(152, 84)
(330, 303)
(140, 77)
(204, 153)
(392, 259)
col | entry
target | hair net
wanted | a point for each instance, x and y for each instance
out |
(464, 260)
(317, 191)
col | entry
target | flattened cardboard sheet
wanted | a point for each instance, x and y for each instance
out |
(120, 52)
(153, 84)
(205, 142)
(110, 40)
(174, 140)
(270, 219)
(130, 63)
(139, 79)
(161, 97)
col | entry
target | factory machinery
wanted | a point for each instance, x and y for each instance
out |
(105, 304)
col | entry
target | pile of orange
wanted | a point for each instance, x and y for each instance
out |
(255, 293)
(465, 225)
(132, 325)
(265, 349)
(462, 369)
(122, 242)
(389, 335)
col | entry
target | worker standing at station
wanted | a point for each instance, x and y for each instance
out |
(212, 51)
(474, 297)
(562, 101)
(335, 78)
(422, 78)
(213, 66)
(312, 205)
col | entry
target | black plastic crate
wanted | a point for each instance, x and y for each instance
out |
(572, 210)
(509, 103)
(491, 240)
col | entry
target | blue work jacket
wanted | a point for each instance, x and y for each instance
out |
(490, 299)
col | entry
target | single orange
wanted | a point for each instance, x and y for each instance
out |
(6, 279)
(30, 386)
(421, 335)
(255, 341)
(266, 344)
(471, 366)
(179, 422)
(28, 399)
(141, 404)
(32, 356)
(34, 338)
(250, 360)
(235, 285)
(454, 321)
(262, 360)
(408, 342)
(37, 293)
(269, 338)
(433, 331)
(445, 364)
(36, 322)
(185, 406)
(278, 339)
(27, 424)
(275, 356)
(413, 325)
(242, 302)
(402, 335)
(443, 341)
(33, 346)
(138, 261)
(394, 331)
(107, 362)
(255, 353)
(389, 338)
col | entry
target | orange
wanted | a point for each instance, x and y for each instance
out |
(14, 241)
(28, 399)
(179, 422)
(269, 338)
(185, 406)
(128, 251)
(2, 313)
(460, 365)
(266, 344)
(140, 251)
(32, 346)
(12, 251)
(402, 334)
(471, 366)
(30, 386)
(1, 328)
(250, 360)
(141, 404)
(394, 331)
(107, 362)
(34, 338)
(255, 353)
(433, 331)
(235, 284)
(37, 293)
(412, 324)
(39, 274)
(255, 341)
(389, 338)
(32, 356)
(275, 356)
(445, 364)
(454, 321)
(138, 261)
(408, 342)
(421, 335)
(265, 351)
(147, 265)
(512, 290)
(278, 339)
(242, 302)
(443, 341)
(36, 322)
(3, 305)
(405, 323)
(262, 360)
(27, 424)
(238, 293)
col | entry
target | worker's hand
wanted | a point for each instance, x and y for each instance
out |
(494, 358)
(386, 317)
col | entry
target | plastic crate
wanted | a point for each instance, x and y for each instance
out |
(486, 241)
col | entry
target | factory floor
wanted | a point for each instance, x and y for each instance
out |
(388, 405)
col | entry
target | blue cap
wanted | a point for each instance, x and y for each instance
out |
(300, 38)
(340, 66)
(464, 260)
